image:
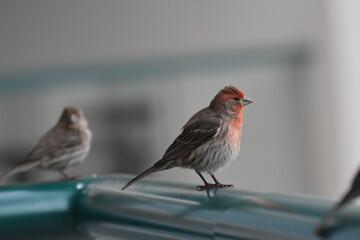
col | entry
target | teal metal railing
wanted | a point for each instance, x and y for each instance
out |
(151, 209)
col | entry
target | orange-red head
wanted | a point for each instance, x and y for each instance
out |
(230, 98)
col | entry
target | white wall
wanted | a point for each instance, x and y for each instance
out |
(343, 61)
(44, 33)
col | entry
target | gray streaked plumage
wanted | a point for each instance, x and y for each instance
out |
(64, 146)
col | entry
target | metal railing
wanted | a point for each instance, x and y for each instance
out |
(151, 209)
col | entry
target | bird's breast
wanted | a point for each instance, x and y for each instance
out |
(218, 152)
(233, 136)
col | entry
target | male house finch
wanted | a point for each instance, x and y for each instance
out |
(209, 140)
(64, 146)
(353, 192)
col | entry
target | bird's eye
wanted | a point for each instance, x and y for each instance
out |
(236, 98)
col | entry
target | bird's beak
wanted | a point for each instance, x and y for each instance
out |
(246, 101)
(73, 118)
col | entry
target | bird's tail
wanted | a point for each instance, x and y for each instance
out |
(22, 167)
(326, 222)
(144, 174)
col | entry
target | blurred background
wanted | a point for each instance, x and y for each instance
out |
(140, 69)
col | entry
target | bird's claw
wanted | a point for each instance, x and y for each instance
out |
(226, 186)
(214, 186)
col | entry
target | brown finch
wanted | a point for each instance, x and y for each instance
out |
(63, 147)
(209, 140)
(352, 193)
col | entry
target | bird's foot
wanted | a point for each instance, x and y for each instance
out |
(214, 186)
(220, 185)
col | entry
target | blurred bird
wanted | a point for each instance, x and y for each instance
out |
(63, 147)
(209, 140)
(353, 192)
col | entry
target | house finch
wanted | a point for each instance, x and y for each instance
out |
(209, 140)
(64, 146)
(353, 192)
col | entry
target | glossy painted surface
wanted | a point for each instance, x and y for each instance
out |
(150, 209)
(40, 211)
(156, 210)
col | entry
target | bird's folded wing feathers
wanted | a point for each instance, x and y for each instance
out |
(356, 181)
(195, 133)
(51, 144)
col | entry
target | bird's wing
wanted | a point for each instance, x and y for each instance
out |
(353, 192)
(356, 181)
(53, 141)
(198, 130)
(202, 127)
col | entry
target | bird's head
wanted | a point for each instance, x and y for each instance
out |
(73, 117)
(230, 99)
